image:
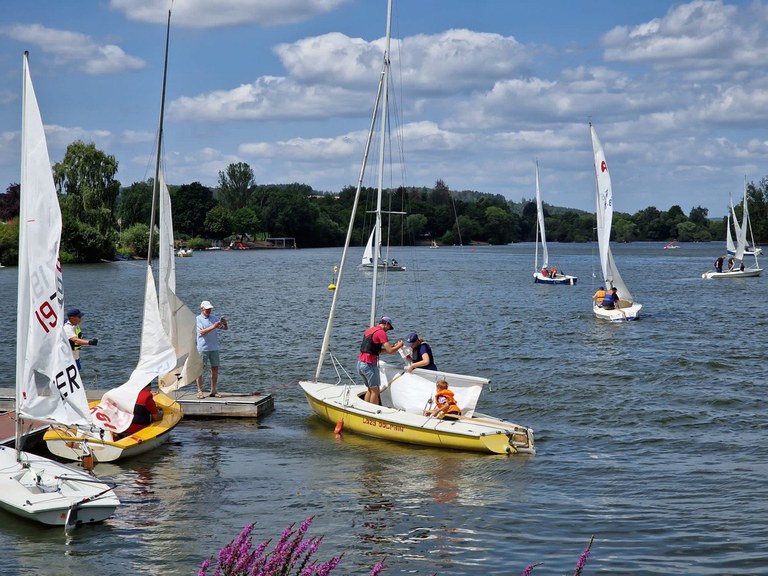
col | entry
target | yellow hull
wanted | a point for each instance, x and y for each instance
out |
(68, 443)
(486, 434)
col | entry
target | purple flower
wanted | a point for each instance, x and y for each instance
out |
(529, 569)
(583, 558)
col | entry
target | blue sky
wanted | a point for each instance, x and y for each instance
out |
(677, 91)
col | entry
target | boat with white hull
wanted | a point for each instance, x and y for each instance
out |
(628, 308)
(545, 274)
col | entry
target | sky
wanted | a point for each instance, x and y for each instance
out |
(677, 92)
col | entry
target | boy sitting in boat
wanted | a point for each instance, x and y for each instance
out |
(445, 402)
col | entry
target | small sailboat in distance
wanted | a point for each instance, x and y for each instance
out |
(545, 275)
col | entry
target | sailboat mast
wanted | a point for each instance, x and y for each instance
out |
(332, 314)
(382, 155)
(156, 187)
(23, 248)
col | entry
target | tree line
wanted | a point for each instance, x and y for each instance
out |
(101, 218)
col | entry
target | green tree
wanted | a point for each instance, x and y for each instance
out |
(218, 223)
(9, 203)
(136, 239)
(85, 180)
(498, 225)
(236, 186)
(245, 221)
(9, 242)
(135, 204)
(191, 204)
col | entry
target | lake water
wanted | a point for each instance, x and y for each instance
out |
(650, 435)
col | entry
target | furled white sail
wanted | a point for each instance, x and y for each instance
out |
(540, 221)
(177, 319)
(730, 247)
(604, 220)
(157, 357)
(48, 384)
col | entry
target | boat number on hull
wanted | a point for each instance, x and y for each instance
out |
(385, 425)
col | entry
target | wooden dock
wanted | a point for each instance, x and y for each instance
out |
(254, 405)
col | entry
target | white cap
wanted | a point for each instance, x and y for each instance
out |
(205, 305)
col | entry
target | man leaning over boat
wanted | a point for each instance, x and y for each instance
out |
(375, 342)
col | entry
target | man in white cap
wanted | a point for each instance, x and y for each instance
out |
(208, 327)
(375, 342)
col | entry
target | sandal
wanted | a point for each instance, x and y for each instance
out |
(200, 395)
(216, 395)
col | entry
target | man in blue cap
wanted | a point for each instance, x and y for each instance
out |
(375, 342)
(73, 333)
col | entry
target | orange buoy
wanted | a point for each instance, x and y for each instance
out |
(338, 428)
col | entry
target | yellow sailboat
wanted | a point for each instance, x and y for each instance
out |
(404, 395)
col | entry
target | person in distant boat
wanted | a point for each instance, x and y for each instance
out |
(445, 403)
(145, 411)
(208, 327)
(599, 295)
(421, 354)
(731, 263)
(394, 262)
(545, 271)
(741, 267)
(553, 272)
(75, 335)
(375, 342)
(719, 263)
(611, 299)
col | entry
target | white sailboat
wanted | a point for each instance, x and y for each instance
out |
(158, 358)
(627, 308)
(48, 385)
(368, 254)
(737, 250)
(404, 395)
(545, 274)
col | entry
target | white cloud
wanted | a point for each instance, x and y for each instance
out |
(67, 47)
(269, 99)
(216, 13)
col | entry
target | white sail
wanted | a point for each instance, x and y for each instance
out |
(611, 274)
(540, 223)
(604, 205)
(177, 319)
(48, 384)
(741, 231)
(157, 357)
(368, 257)
(730, 247)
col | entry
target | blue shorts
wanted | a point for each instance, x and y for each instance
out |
(370, 373)
(210, 359)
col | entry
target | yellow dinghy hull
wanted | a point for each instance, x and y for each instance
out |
(479, 433)
(73, 444)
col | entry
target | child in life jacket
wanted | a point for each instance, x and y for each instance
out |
(445, 403)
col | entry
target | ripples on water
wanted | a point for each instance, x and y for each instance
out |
(650, 435)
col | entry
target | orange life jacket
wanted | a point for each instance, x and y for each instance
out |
(599, 295)
(446, 397)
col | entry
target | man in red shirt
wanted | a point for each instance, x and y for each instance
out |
(375, 342)
(144, 412)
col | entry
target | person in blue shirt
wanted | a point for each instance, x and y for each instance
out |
(421, 353)
(611, 299)
(208, 327)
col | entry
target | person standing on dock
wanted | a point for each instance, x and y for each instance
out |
(208, 327)
(74, 334)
